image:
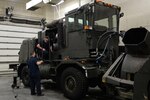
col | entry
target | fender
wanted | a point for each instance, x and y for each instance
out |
(90, 72)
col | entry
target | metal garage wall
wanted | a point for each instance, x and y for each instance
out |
(11, 37)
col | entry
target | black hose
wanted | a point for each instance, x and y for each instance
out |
(104, 48)
(100, 37)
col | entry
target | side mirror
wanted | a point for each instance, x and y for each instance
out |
(121, 15)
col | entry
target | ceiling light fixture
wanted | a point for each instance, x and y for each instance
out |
(62, 1)
(35, 4)
(32, 3)
(46, 1)
(53, 5)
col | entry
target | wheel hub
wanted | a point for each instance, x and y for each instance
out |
(70, 83)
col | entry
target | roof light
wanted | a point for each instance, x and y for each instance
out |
(86, 27)
(108, 4)
(99, 0)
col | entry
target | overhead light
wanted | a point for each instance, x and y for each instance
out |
(46, 1)
(32, 3)
(53, 5)
(38, 3)
(62, 1)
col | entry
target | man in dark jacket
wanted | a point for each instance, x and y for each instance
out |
(34, 74)
(44, 48)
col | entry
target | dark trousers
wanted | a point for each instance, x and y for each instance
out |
(35, 84)
(44, 55)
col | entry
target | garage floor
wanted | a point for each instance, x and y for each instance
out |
(7, 93)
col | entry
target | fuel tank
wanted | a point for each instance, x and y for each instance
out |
(45, 70)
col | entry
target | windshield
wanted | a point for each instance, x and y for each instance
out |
(105, 18)
(75, 22)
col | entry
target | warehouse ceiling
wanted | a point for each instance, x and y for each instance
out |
(111, 1)
(23, 1)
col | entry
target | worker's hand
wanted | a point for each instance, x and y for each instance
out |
(42, 61)
(43, 49)
(39, 62)
(51, 49)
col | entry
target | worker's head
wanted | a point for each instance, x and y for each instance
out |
(33, 54)
(46, 38)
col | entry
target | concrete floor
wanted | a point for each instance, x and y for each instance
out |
(7, 93)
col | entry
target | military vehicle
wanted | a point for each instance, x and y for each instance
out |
(83, 45)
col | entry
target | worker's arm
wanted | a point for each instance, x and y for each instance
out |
(38, 46)
(39, 62)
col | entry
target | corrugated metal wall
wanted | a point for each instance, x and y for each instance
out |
(11, 36)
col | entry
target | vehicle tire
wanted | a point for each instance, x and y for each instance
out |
(74, 84)
(25, 76)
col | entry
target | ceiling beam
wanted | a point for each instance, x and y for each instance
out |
(32, 3)
(35, 4)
